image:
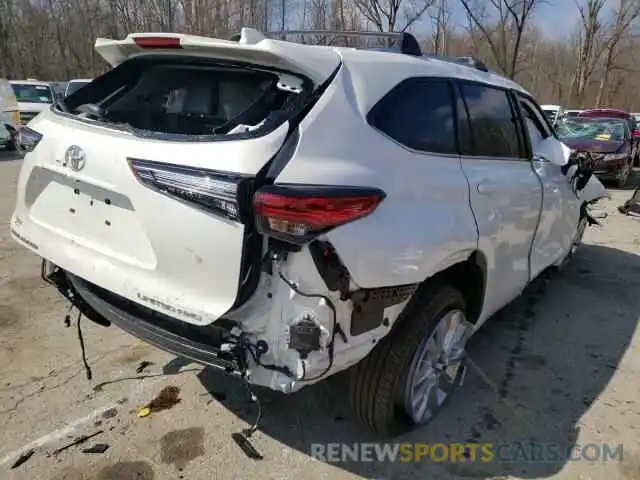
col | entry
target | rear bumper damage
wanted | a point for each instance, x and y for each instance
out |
(282, 338)
(212, 345)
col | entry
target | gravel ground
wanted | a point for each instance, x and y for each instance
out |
(561, 364)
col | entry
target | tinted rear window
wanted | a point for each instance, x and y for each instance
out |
(418, 113)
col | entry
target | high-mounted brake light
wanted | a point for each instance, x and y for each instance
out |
(211, 191)
(158, 42)
(297, 214)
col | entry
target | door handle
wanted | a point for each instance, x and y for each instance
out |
(486, 187)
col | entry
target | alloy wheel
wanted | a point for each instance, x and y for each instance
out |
(437, 367)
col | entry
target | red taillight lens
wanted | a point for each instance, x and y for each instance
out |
(158, 42)
(297, 214)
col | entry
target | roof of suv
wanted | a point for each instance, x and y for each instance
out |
(314, 59)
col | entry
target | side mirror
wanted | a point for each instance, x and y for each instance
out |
(552, 151)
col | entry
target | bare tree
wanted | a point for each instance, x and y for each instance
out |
(589, 49)
(626, 13)
(392, 15)
(440, 14)
(502, 24)
(53, 39)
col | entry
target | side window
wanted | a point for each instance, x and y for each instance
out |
(493, 122)
(418, 113)
(535, 127)
(632, 124)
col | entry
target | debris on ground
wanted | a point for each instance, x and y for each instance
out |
(167, 398)
(77, 441)
(632, 206)
(97, 448)
(144, 412)
(112, 412)
(23, 458)
(143, 365)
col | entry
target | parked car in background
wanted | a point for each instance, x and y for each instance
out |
(58, 89)
(627, 117)
(609, 140)
(227, 229)
(75, 84)
(553, 112)
(571, 112)
(33, 97)
(9, 116)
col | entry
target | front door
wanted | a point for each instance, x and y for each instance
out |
(561, 209)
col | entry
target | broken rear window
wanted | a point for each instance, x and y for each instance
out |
(179, 98)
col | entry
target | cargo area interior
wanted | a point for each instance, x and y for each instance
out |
(188, 96)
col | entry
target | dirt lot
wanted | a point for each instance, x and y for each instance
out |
(562, 364)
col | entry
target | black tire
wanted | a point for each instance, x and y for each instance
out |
(376, 383)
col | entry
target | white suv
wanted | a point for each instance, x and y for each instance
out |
(285, 211)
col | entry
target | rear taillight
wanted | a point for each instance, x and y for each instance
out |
(158, 42)
(15, 117)
(297, 214)
(28, 139)
(212, 191)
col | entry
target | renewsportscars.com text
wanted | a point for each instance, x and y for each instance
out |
(521, 452)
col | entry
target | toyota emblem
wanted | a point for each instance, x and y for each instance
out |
(75, 158)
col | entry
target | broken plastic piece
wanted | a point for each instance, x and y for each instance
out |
(23, 458)
(246, 446)
(77, 441)
(97, 448)
(144, 412)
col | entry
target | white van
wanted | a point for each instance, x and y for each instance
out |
(75, 84)
(9, 115)
(33, 97)
(553, 112)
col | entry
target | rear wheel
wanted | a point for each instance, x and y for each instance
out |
(410, 374)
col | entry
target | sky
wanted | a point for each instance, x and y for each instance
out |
(556, 18)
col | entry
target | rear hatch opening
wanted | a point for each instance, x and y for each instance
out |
(181, 98)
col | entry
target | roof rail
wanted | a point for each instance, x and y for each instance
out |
(403, 42)
(469, 61)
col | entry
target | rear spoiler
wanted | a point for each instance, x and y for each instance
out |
(251, 47)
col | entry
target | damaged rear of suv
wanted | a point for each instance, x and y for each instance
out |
(255, 205)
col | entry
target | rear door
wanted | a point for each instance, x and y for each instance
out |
(506, 194)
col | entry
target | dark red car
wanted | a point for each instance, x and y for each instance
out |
(617, 113)
(608, 139)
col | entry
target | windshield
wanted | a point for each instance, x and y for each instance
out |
(591, 129)
(32, 93)
(74, 86)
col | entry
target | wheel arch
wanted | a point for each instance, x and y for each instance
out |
(466, 271)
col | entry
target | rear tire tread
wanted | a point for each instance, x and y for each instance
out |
(374, 381)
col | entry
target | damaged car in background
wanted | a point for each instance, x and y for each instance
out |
(283, 211)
